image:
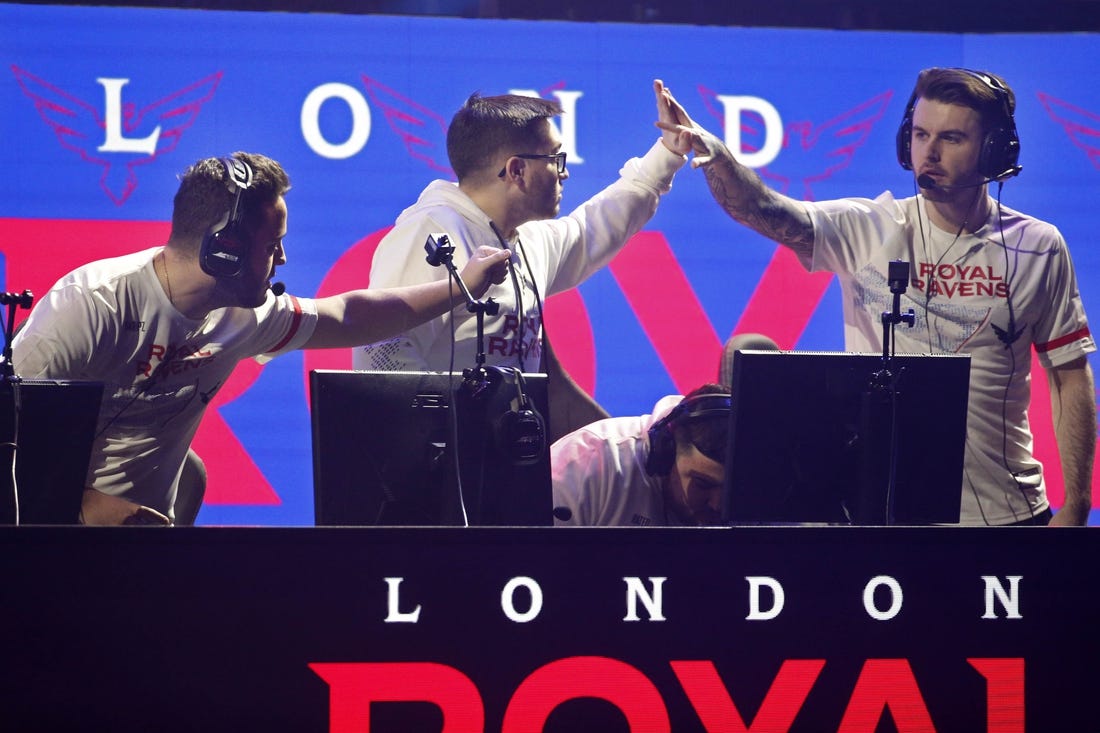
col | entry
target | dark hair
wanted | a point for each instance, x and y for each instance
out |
(486, 127)
(709, 434)
(204, 198)
(986, 93)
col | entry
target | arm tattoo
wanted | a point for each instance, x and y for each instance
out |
(743, 196)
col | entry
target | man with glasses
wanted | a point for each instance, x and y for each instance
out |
(510, 169)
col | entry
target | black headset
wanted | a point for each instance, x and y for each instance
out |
(521, 430)
(1001, 146)
(224, 248)
(662, 441)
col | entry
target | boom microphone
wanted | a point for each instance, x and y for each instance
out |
(278, 289)
(926, 181)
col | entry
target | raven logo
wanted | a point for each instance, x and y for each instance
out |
(812, 152)
(1083, 127)
(99, 139)
(422, 130)
(1009, 335)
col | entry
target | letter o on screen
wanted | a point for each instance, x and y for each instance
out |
(311, 121)
(895, 598)
(507, 597)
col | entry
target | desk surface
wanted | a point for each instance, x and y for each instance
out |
(290, 628)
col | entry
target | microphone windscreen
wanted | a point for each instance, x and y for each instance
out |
(926, 181)
(278, 289)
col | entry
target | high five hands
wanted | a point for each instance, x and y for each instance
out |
(680, 133)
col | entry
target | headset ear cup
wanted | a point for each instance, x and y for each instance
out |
(521, 435)
(662, 437)
(905, 141)
(1000, 152)
(222, 251)
(662, 449)
(520, 431)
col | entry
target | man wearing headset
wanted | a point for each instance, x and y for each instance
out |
(164, 328)
(663, 469)
(986, 280)
(511, 171)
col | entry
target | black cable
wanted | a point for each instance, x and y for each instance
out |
(12, 382)
(452, 391)
(1009, 341)
(17, 409)
(1010, 338)
(521, 327)
(538, 297)
(891, 485)
(932, 273)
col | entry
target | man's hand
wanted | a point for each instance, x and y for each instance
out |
(98, 508)
(488, 266)
(673, 120)
(1070, 516)
(737, 189)
(680, 133)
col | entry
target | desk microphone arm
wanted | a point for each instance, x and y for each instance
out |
(13, 301)
(440, 252)
(898, 279)
(878, 424)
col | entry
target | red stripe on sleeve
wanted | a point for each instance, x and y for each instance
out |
(1062, 340)
(294, 325)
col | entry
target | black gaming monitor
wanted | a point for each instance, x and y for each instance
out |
(822, 437)
(385, 449)
(54, 428)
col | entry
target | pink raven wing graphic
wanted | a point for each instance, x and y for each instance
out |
(752, 126)
(76, 123)
(79, 127)
(1083, 127)
(811, 153)
(548, 92)
(175, 113)
(422, 130)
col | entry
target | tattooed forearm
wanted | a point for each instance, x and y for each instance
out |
(741, 193)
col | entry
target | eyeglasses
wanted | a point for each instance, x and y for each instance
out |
(558, 158)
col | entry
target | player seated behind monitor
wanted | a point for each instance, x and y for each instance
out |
(662, 469)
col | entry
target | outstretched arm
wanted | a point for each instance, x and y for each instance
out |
(736, 188)
(366, 316)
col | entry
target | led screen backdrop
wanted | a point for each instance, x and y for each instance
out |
(104, 107)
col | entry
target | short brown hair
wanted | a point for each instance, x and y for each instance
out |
(487, 126)
(204, 198)
(986, 93)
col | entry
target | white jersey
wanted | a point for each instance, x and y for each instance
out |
(110, 321)
(598, 473)
(993, 294)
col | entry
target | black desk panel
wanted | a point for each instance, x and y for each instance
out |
(556, 629)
